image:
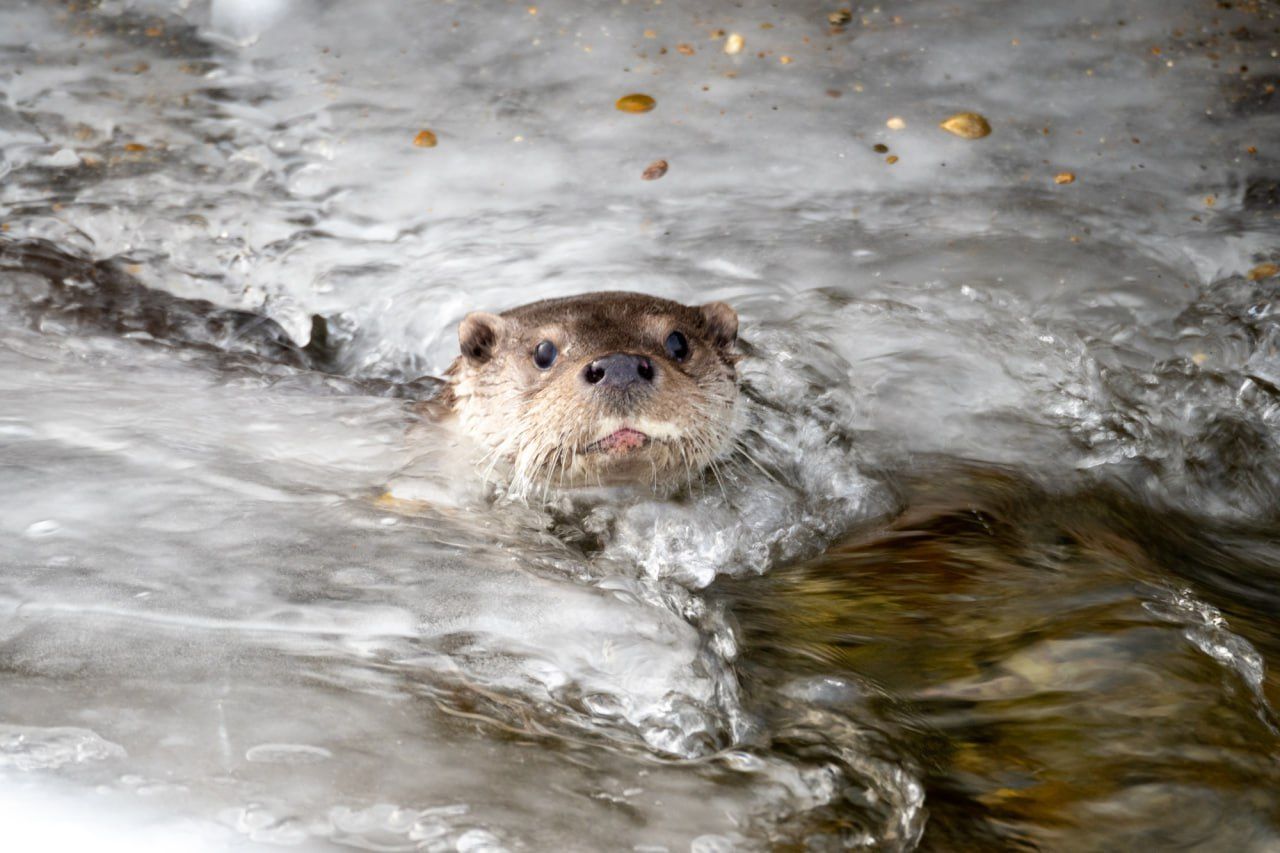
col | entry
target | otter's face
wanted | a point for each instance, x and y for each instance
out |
(603, 389)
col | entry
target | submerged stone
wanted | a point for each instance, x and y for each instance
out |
(967, 125)
(635, 103)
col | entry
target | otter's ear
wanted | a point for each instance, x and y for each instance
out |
(722, 323)
(479, 334)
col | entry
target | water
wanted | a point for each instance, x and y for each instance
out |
(1001, 575)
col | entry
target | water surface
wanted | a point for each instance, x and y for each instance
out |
(999, 574)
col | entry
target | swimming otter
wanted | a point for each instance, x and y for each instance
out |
(599, 389)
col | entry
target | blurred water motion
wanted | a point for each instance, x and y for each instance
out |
(1001, 574)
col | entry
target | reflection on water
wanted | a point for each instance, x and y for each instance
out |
(1097, 703)
(999, 572)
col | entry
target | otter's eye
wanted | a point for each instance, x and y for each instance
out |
(677, 346)
(544, 355)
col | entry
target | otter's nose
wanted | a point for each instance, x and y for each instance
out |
(619, 370)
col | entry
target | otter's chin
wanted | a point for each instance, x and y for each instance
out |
(624, 456)
(630, 468)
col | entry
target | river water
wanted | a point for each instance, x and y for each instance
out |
(1001, 569)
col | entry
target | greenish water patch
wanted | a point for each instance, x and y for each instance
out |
(1064, 670)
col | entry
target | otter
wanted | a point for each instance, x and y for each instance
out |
(601, 389)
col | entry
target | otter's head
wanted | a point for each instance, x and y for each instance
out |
(604, 388)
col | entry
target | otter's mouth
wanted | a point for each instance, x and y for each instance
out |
(625, 440)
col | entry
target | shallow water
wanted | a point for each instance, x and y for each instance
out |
(1000, 573)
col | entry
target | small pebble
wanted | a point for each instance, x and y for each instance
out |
(287, 753)
(654, 170)
(425, 139)
(1261, 271)
(42, 528)
(636, 103)
(840, 17)
(895, 123)
(967, 125)
(891, 159)
(880, 148)
(63, 158)
(734, 43)
(1064, 178)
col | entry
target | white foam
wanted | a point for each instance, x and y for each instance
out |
(35, 748)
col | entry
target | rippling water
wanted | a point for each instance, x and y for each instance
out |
(1003, 572)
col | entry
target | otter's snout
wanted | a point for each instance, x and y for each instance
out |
(619, 370)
